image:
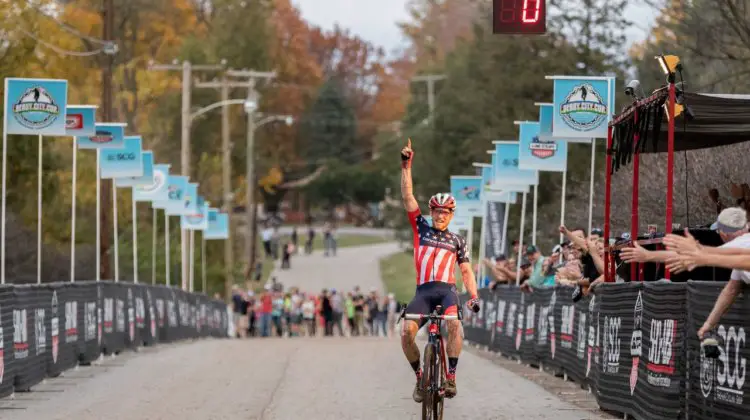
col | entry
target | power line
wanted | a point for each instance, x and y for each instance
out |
(65, 26)
(57, 49)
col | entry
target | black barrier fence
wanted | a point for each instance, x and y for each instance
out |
(634, 345)
(48, 328)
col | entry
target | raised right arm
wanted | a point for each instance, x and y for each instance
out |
(407, 191)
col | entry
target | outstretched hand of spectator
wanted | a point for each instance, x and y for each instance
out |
(683, 261)
(593, 286)
(636, 253)
(681, 244)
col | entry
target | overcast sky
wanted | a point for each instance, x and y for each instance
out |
(375, 20)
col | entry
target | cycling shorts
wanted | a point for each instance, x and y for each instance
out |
(432, 294)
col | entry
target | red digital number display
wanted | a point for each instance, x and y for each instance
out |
(519, 16)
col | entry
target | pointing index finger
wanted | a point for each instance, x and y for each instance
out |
(408, 144)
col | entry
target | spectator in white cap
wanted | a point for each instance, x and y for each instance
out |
(731, 224)
(735, 254)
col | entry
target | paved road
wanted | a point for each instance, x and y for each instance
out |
(352, 266)
(342, 230)
(283, 379)
(279, 379)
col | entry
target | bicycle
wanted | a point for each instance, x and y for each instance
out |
(434, 366)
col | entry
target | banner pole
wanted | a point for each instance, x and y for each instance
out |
(470, 242)
(167, 280)
(98, 217)
(533, 221)
(504, 243)
(5, 182)
(203, 261)
(562, 204)
(191, 262)
(39, 213)
(482, 234)
(73, 212)
(116, 231)
(154, 223)
(183, 259)
(470, 235)
(520, 240)
(135, 240)
(591, 184)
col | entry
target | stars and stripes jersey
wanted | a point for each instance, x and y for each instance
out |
(435, 252)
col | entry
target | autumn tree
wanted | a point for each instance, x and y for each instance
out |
(298, 76)
(436, 28)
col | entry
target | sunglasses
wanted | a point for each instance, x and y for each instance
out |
(441, 211)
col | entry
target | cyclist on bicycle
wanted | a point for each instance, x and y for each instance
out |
(436, 250)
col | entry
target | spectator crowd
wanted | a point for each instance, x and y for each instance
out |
(295, 313)
(577, 261)
(723, 247)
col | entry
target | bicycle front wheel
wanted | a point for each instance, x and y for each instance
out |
(437, 408)
(430, 395)
(438, 383)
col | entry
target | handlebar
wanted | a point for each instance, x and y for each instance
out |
(419, 317)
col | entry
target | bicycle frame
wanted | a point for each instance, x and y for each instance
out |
(436, 341)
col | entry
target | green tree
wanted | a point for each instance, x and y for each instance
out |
(348, 184)
(329, 127)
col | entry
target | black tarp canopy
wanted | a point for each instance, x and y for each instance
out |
(718, 120)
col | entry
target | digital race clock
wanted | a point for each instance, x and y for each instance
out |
(519, 16)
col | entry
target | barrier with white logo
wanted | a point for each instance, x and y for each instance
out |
(660, 387)
(634, 345)
(717, 387)
(617, 369)
(49, 328)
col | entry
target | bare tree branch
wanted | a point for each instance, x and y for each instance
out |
(304, 181)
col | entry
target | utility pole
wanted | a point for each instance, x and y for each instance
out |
(187, 69)
(430, 79)
(253, 100)
(226, 175)
(108, 20)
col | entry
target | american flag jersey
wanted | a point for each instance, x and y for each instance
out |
(435, 252)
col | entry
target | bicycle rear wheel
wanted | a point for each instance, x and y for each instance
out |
(428, 365)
